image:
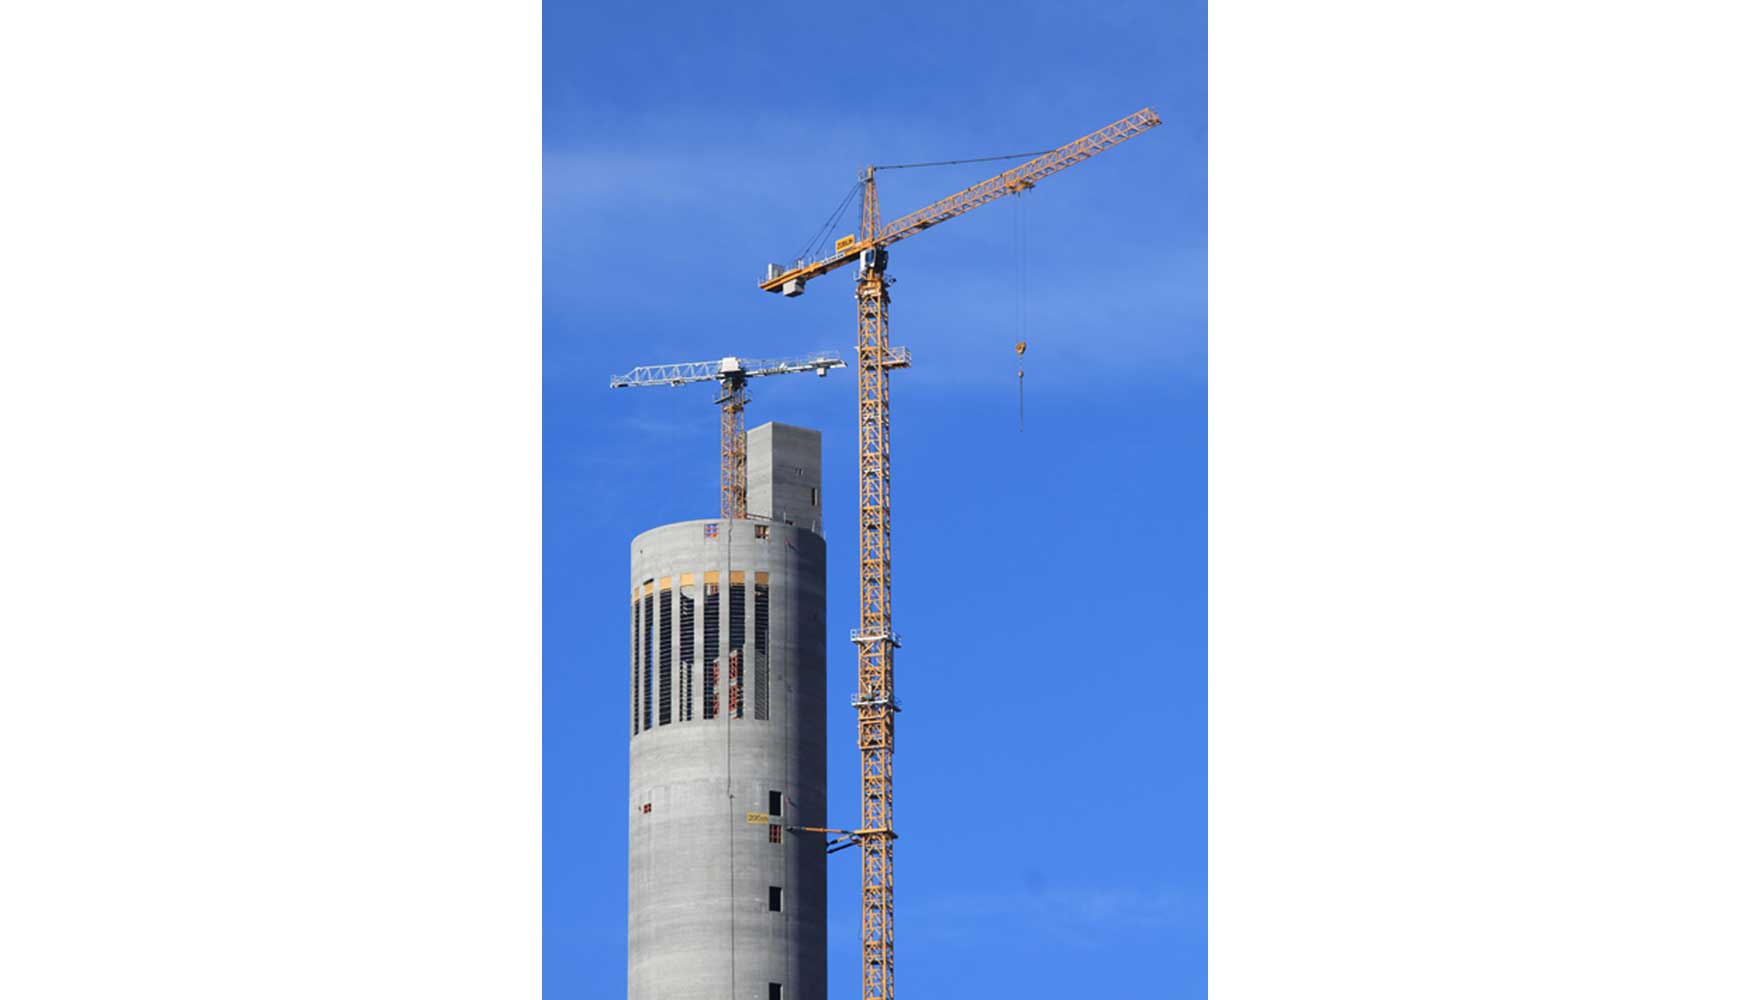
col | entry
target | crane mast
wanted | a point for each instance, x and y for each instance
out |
(875, 638)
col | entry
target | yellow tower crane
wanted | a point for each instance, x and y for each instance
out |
(874, 637)
(732, 374)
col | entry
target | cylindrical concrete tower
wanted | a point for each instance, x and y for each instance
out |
(728, 747)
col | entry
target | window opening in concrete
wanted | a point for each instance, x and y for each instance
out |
(712, 600)
(775, 898)
(774, 991)
(762, 698)
(761, 531)
(685, 711)
(712, 682)
(762, 619)
(665, 658)
(634, 645)
(775, 803)
(710, 531)
(735, 705)
(762, 615)
(737, 615)
(688, 627)
(649, 636)
(814, 496)
(775, 833)
(737, 640)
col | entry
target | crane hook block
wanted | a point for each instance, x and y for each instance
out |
(1020, 348)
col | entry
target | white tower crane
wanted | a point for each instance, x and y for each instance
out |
(732, 374)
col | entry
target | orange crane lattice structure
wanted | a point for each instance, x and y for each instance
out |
(875, 638)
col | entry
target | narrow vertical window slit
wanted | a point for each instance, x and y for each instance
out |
(762, 706)
(712, 655)
(687, 657)
(665, 658)
(634, 645)
(648, 633)
(737, 640)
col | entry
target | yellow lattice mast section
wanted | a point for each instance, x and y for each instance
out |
(874, 637)
(733, 446)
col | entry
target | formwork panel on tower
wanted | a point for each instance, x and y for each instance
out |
(728, 624)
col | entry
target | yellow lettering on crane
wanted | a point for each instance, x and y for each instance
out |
(844, 243)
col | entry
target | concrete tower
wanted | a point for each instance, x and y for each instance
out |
(729, 742)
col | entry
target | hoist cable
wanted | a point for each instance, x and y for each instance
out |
(831, 221)
(950, 163)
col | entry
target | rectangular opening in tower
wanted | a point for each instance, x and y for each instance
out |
(634, 646)
(665, 658)
(687, 640)
(762, 706)
(737, 641)
(649, 638)
(762, 699)
(713, 652)
(761, 614)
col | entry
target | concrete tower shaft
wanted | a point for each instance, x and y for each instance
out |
(783, 474)
(728, 669)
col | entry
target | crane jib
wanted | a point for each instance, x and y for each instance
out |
(790, 281)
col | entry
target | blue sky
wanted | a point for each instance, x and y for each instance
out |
(1050, 584)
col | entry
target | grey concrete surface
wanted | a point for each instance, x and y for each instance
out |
(783, 474)
(698, 872)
